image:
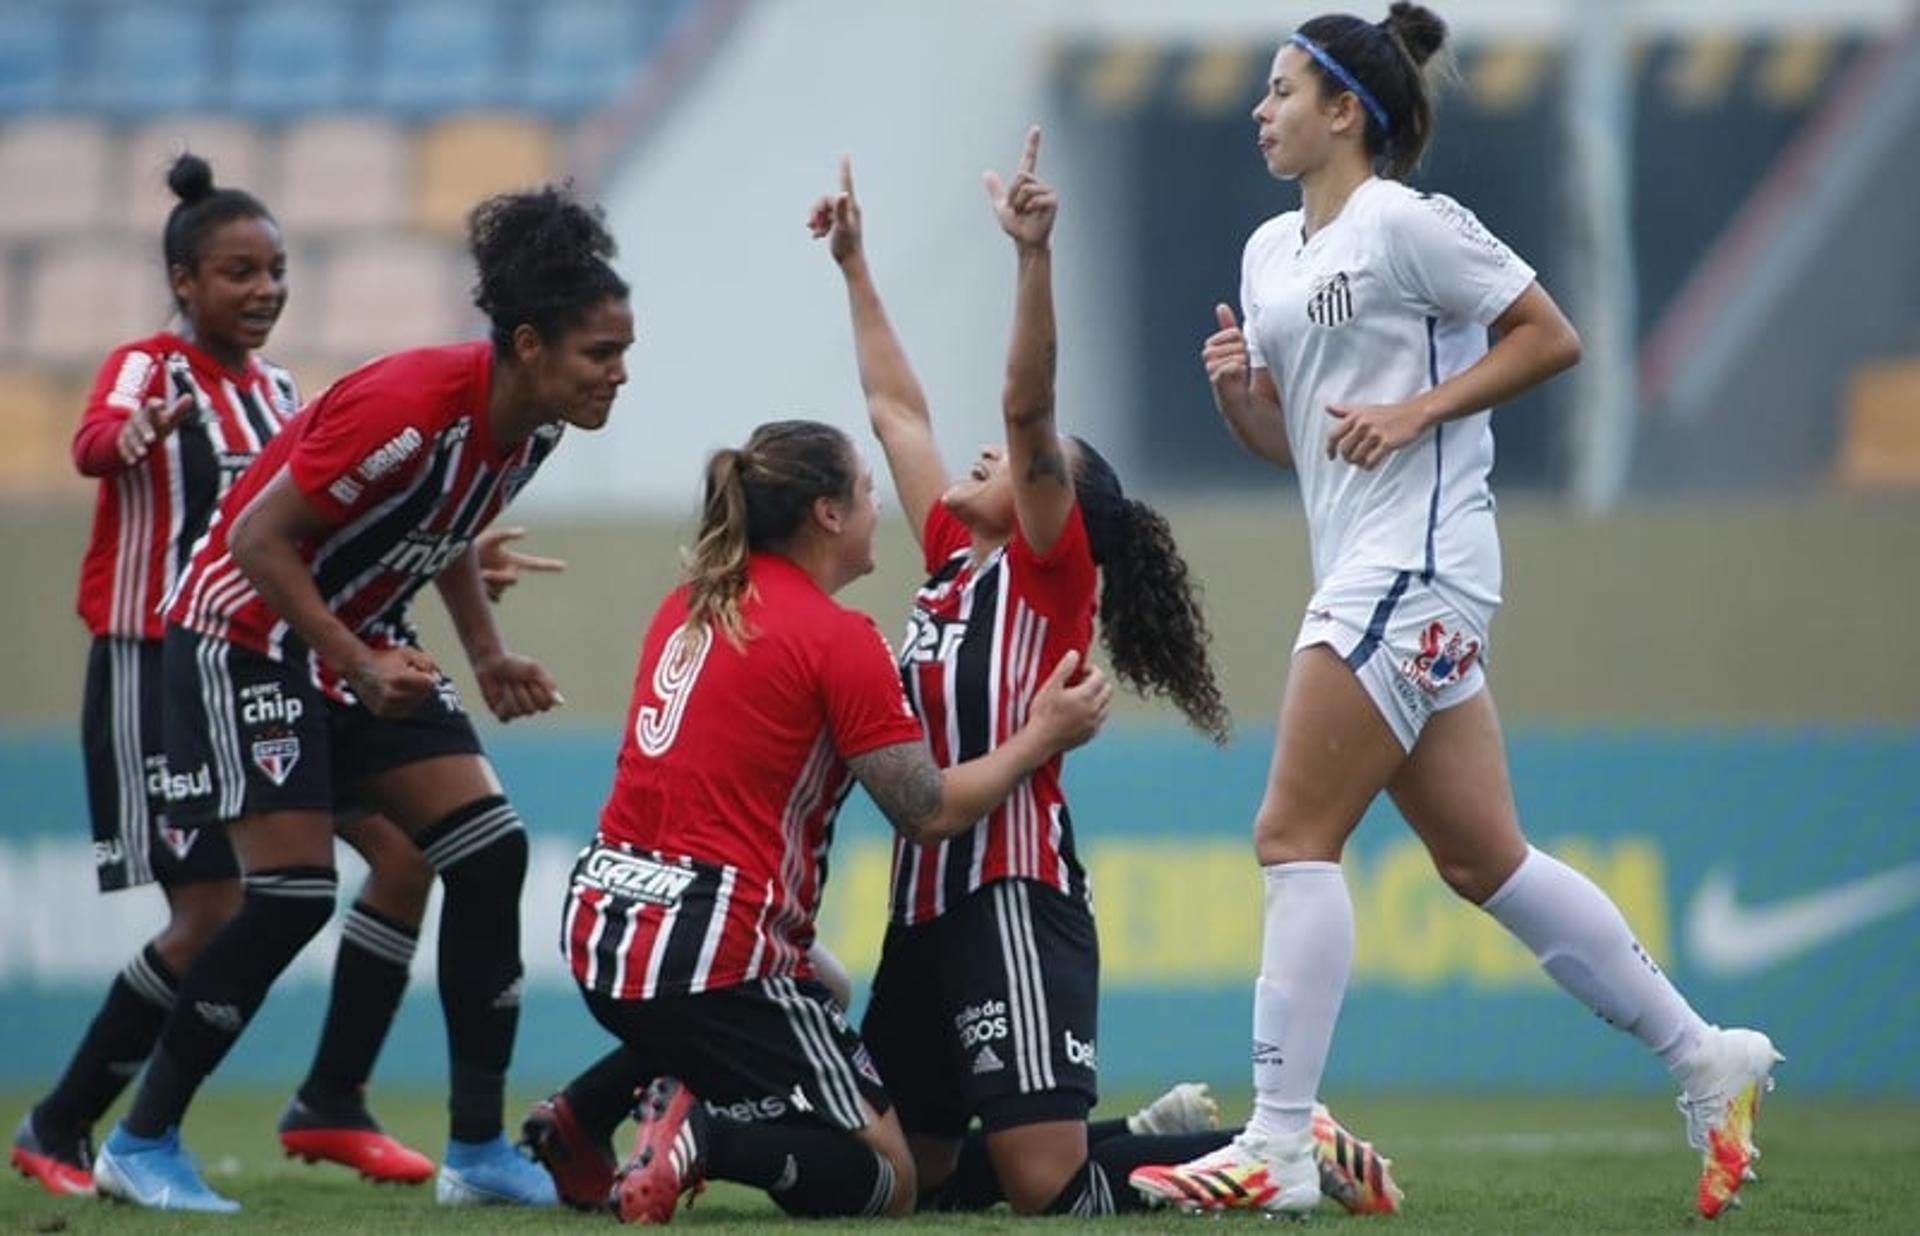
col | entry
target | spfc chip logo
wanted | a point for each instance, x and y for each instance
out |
(276, 757)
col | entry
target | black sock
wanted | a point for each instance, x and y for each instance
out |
(1120, 1155)
(369, 977)
(974, 1185)
(282, 910)
(1088, 1194)
(480, 852)
(116, 1044)
(603, 1095)
(808, 1172)
(1100, 1130)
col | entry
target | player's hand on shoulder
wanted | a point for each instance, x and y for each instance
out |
(515, 686)
(1026, 205)
(836, 217)
(392, 682)
(1072, 704)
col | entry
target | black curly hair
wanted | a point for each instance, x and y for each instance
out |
(200, 210)
(542, 257)
(1388, 58)
(1151, 623)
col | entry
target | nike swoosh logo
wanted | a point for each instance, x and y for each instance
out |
(1729, 940)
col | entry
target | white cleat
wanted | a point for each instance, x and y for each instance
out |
(1251, 1172)
(1726, 1078)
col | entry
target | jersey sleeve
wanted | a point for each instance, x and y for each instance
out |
(361, 440)
(1447, 262)
(866, 706)
(1062, 580)
(1249, 306)
(943, 537)
(129, 376)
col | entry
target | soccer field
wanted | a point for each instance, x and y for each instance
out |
(1468, 1164)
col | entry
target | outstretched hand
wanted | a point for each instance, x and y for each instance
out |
(1025, 205)
(837, 217)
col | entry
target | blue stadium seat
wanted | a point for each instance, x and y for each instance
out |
(291, 57)
(150, 58)
(583, 52)
(32, 54)
(440, 55)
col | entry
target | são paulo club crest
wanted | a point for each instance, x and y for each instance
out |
(276, 757)
(1444, 658)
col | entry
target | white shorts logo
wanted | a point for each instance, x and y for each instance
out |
(276, 757)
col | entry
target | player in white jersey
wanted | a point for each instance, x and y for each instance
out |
(1364, 363)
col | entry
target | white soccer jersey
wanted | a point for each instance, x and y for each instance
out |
(1388, 300)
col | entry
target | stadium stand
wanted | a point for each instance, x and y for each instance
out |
(56, 172)
(464, 158)
(340, 173)
(151, 58)
(292, 57)
(1880, 447)
(441, 55)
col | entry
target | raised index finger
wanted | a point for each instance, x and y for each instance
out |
(846, 174)
(1030, 153)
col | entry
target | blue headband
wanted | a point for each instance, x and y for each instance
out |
(1345, 78)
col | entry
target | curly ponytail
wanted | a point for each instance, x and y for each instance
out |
(542, 259)
(1151, 622)
(757, 497)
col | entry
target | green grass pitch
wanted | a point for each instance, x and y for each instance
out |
(1469, 1164)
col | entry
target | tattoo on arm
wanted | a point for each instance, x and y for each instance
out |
(904, 783)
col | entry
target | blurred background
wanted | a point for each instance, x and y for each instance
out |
(1712, 527)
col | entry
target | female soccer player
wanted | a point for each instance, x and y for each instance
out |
(295, 686)
(172, 419)
(1364, 362)
(984, 1005)
(758, 700)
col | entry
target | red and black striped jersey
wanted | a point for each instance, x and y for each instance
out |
(147, 517)
(981, 640)
(399, 458)
(712, 849)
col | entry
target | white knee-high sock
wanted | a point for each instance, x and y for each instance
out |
(1306, 953)
(1583, 941)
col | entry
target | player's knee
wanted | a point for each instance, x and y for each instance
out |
(399, 879)
(480, 850)
(906, 1181)
(287, 906)
(195, 914)
(1281, 836)
(1473, 877)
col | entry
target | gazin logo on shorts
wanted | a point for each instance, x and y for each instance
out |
(276, 756)
(635, 878)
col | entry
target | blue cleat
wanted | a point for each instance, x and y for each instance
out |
(492, 1173)
(155, 1172)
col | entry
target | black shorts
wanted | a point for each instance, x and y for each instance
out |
(989, 1010)
(774, 1050)
(252, 735)
(128, 779)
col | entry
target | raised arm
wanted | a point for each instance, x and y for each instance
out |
(926, 803)
(896, 407)
(1042, 481)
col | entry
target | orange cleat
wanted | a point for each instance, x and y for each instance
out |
(62, 1171)
(582, 1167)
(668, 1157)
(356, 1143)
(1352, 1172)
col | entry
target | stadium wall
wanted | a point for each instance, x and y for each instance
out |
(1775, 872)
